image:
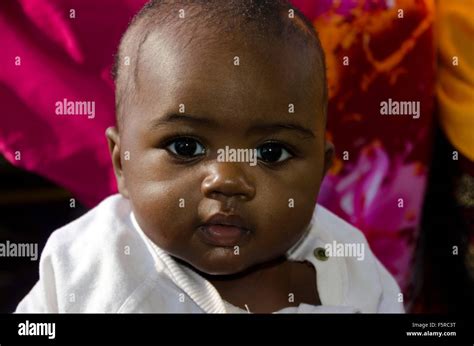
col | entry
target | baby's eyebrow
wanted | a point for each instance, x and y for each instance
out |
(182, 117)
(197, 120)
(274, 127)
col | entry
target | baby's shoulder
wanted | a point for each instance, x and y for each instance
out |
(369, 285)
(98, 255)
(100, 229)
(334, 228)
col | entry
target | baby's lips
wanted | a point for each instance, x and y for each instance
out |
(228, 220)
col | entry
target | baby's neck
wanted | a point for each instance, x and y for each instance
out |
(269, 287)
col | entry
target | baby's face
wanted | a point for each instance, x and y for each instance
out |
(194, 101)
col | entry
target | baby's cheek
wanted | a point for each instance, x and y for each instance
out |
(284, 214)
(165, 209)
(290, 194)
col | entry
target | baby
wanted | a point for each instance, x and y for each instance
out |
(219, 153)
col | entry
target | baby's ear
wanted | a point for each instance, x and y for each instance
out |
(113, 139)
(328, 156)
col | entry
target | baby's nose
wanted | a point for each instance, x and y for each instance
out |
(228, 179)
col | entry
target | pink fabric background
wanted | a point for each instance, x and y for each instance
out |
(71, 58)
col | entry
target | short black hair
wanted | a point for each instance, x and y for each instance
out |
(261, 18)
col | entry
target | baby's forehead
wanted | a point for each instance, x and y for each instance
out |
(233, 65)
(225, 79)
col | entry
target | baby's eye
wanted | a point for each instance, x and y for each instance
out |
(186, 147)
(273, 152)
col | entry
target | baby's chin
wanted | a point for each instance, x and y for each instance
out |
(221, 261)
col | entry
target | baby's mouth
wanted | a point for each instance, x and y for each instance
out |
(224, 230)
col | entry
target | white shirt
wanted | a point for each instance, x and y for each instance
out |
(103, 262)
